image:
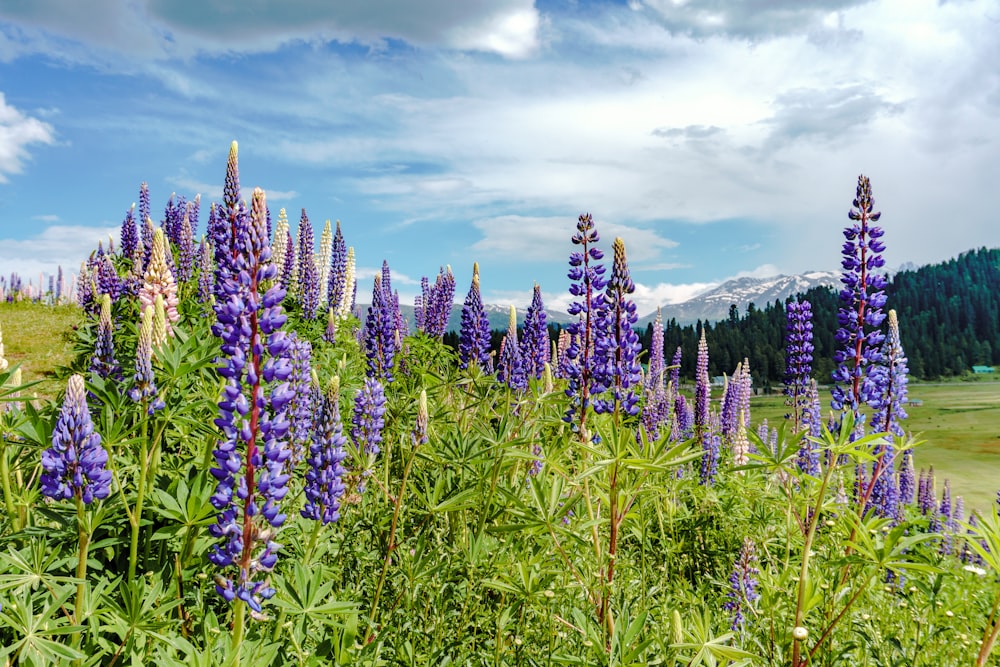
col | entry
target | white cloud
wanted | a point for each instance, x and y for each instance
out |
(17, 133)
(54, 246)
(46, 218)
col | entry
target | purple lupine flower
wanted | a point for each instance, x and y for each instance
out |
(587, 282)
(330, 333)
(907, 490)
(324, 486)
(194, 211)
(129, 234)
(418, 303)
(889, 383)
(337, 279)
(927, 497)
(145, 224)
(75, 464)
(143, 385)
(702, 387)
(308, 278)
(204, 272)
(60, 284)
(945, 523)
(654, 406)
(812, 421)
(369, 409)
(107, 278)
(250, 459)
(474, 335)
(862, 298)
(616, 347)
(885, 493)
(742, 593)
(300, 406)
(171, 218)
(563, 362)
(185, 249)
(103, 363)
(438, 309)
(379, 334)
(535, 338)
(538, 462)
(510, 367)
(289, 265)
(683, 419)
(798, 359)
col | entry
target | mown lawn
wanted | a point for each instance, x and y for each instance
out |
(38, 337)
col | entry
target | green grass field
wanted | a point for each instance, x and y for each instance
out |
(959, 422)
(38, 338)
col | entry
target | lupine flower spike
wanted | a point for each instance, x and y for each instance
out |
(103, 364)
(742, 593)
(616, 348)
(159, 280)
(324, 486)
(474, 336)
(510, 368)
(75, 464)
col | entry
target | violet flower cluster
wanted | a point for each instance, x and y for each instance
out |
(300, 406)
(143, 388)
(324, 486)
(891, 378)
(129, 234)
(308, 276)
(798, 358)
(655, 406)
(616, 347)
(76, 463)
(535, 346)
(510, 367)
(368, 417)
(337, 277)
(860, 315)
(250, 459)
(380, 333)
(474, 335)
(433, 308)
(587, 282)
(743, 592)
(103, 363)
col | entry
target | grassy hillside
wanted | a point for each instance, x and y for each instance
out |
(38, 337)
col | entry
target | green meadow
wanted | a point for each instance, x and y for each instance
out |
(958, 426)
(40, 339)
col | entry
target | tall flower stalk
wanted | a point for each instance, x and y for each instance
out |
(616, 348)
(474, 336)
(250, 457)
(535, 340)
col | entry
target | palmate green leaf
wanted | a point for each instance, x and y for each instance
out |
(32, 631)
(31, 567)
(141, 613)
(306, 591)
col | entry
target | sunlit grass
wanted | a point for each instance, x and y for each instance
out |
(38, 337)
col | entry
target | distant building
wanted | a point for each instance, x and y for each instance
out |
(719, 381)
(915, 401)
(982, 369)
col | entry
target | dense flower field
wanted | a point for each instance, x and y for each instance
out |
(244, 471)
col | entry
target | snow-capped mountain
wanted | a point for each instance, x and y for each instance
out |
(714, 304)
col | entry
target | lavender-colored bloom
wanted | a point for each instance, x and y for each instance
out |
(742, 593)
(380, 334)
(300, 406)
(798, 359)
(204, 272)
(107, 278)
(308, 278)
(250, 459)
(324, 486)
(655, 407)
(330, 333)
(185, 249)
(510, 368)
(144, 207)
(812, 421)
(103, 363)
(907, 491)
(535, 338)
(474, 335)
(337, 277)
(369, 409)
(702, 388)
(616, 347)
(587, 281)
(143, 385)
(683, 419)
(75, 464)
(862, 298)
(885, 493)
(889, 384)
(945, 523)
(289, 266)
(927, 497)
(129, 234)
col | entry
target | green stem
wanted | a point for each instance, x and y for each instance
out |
(392, 541)
(990, 634)
(81, 565)
(239, 610)
(8, 495)
(136, 517)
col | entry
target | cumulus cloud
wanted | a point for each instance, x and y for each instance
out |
(52, 247)
(17, 133)
(163, 29)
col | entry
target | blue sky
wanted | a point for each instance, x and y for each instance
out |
(717, 138)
